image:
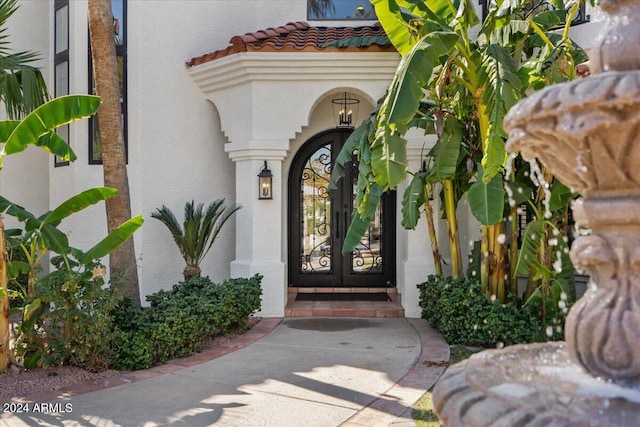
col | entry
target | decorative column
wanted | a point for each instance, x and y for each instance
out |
(259, 225)
(588, 133)
(415, 261)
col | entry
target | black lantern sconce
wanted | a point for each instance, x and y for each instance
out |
(345, 109)
(265, 181)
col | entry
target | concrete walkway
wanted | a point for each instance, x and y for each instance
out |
(307, 372)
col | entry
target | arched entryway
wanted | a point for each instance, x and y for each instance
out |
(318, 222)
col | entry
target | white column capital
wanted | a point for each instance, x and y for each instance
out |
(240, 154)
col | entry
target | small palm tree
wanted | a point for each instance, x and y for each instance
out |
(199, 233)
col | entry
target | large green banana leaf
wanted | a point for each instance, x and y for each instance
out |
(486, 200)
(47, 117)
(113, 241)
(447, 150)
(414, 72)
(359, 221)
(395, 24)
(357, 138)
(412, 201)
(389, 158)
(529, 251)
(502, 88)
(77, 203)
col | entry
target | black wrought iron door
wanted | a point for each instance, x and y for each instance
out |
(318, 223)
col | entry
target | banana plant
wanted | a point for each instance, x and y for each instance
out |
(41, 235)
(37, 128)
(471, 83)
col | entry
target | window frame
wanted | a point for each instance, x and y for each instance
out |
(581, 17)
(60, 58)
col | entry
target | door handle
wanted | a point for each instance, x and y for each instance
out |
(345, 224)
(337, 225)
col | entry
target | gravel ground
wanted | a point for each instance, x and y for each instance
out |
(20, 383)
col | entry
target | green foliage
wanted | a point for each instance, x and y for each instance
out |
(484, 197)
(179, 322)
(198, 232)
(459, 310)
(463, 86)
(41, 235)
(38, 126)
(18, 277)
(22, 86)
(66, 314)
(69, 322)
(412, 200)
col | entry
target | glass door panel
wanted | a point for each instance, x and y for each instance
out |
(319, 221)
(315, 207)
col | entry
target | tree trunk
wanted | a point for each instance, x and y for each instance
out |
(452, 222)
(433, 237)
(5, 352)
(122, 262)
(191, 271)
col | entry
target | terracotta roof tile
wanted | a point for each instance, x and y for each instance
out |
(299, 36)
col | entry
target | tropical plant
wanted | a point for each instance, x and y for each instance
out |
(41, 235)
(22, 87)
(201, 228)
(74, 290)
(69, 320)
(37, 128)
(122, 262)
(460, 88)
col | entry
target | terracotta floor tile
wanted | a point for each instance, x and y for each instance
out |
(322, 312)
(365, 313)
(301, 312)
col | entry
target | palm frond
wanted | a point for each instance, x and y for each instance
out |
(22, 87)
(167, 217)
(218, 215)
(199, 228)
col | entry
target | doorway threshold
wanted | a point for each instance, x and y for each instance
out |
(307, 307)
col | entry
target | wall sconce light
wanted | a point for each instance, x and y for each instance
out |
(345, 109)
(265, 180)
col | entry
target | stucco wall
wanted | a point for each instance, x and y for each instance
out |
(24, 176)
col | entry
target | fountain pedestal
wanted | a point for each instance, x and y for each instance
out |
(588, 133)
(531, 385)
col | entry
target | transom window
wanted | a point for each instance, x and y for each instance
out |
(321, 10)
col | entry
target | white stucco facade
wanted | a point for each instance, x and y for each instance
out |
(204, 132)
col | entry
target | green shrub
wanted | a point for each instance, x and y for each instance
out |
(69, 322)
(179, 322)
(134, 351)
(19, 281)
(459, 310)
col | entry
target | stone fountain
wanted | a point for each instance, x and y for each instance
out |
(588, 133)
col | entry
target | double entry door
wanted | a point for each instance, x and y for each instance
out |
(319, 220)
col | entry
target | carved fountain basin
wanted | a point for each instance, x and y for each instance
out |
(586, 131)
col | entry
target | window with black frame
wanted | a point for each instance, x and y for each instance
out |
(61, 63)
(323, 10)
(538, 6)
(119, 9)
